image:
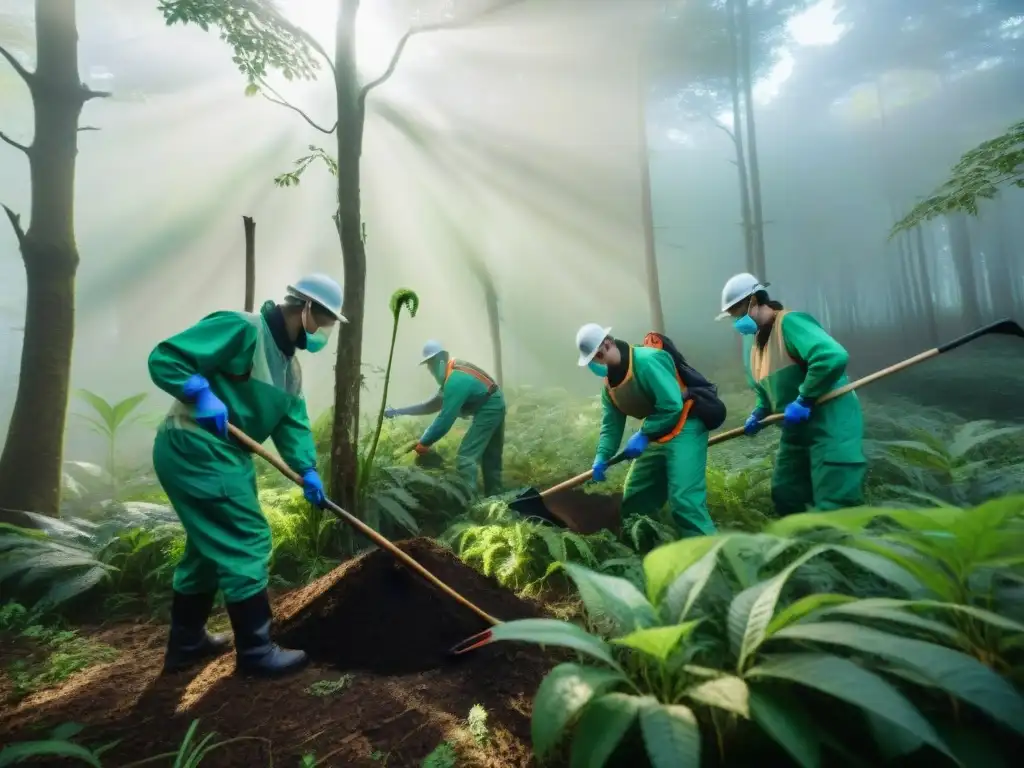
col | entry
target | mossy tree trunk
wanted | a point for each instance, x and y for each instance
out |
(31, 463)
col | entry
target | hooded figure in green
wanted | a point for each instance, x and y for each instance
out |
(792, 362)
(670, 451)
(237, 368)
(468, 392)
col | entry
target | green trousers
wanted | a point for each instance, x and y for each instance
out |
(812, 474)
(227, 537)
(672, 472)
(482, 446)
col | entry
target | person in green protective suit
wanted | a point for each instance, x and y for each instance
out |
(238, 368)
(791, 362)
(464, 391)
(670, 451)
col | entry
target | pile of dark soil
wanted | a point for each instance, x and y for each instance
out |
(376, 615)
(400, 696)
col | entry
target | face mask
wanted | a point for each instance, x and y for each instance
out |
(315, 340)
(745, 325)
(601, 371)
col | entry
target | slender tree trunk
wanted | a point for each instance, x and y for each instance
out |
(960, 246)
(250, 263)
(737, 138)
(494, 324)
(646, 207)
(32, 460)
(347, 371)
(928, 303)
(755, 172)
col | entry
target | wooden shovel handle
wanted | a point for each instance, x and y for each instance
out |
(362, 527)
(579, 480)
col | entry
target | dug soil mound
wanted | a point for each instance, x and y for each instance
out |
(374, 614)
(368, 618)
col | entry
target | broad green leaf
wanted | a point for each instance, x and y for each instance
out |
(554, 632)
(123, 409)
(671, 735)
(852, 683)
(561, 695)
(727, 692)
(804, 607)
(867, 609)
(103, 409)
(893, 741)
(664, 564)
(856, 519)
(883, 567)
(602, 725)
(783, 717)
(658, 642)
(752, 609)
(956, 673)
(926, 570)
(683, 592)
(612, 601)
(16, 753)
(397, 512)
(980, 614)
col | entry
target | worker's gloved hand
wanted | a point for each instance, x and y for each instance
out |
(635, 445)
(209, 410)
(753, 423)
(313, 488)
(797, 412)
(600, 467)
(390, 413)
(422, 449)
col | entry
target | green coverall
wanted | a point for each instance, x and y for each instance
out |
(820, 463)
(210, 480)
(673, 470)
(467, 392)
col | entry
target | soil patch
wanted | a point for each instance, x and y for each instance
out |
(585, 513)
(374, 614)
(343, 718)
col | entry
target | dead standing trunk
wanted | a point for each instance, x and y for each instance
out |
(755, 171)
(736, 134)
(494, 325)
(31, 464)
(646, 206)
(250, 263)
(347, 372)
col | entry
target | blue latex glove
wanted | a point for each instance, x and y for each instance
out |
(635, 445)
(209, 410)
(313, 488)
(600, 467)
(753, 423)
(796, 412)
(390, 413)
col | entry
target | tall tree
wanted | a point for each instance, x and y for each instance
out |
(263, 40)
(31, 463)
(742, 11)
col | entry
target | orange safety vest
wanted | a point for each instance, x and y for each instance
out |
(472, 370)
(629, 411)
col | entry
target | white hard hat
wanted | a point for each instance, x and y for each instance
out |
(321, 290)
(737, 288)
(430, 350)
(588, 340)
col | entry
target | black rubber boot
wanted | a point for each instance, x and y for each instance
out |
(188, 642)
(255, 653)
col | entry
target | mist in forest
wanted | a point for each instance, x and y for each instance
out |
(503, 174)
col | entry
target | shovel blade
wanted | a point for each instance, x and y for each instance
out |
(529, 503)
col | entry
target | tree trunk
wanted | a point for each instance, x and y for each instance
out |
(737, 138)
(32, 460)
(755, 172)
(494, 324)
(250, 263)
(928, 297)
(646, 208)
(963, 263)
(344, 479)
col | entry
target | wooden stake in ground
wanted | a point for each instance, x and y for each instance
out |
(250, 263)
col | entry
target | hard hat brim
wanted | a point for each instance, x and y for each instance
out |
(585, 359)
(428, 358)
(725, 310)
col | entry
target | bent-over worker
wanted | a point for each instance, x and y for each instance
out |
(236, 367)
(791, 364)
(465, 391)
(670, 451)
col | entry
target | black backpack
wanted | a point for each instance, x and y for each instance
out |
(707, 405)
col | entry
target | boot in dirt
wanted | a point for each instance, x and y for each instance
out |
(255, 653)
(188, 642)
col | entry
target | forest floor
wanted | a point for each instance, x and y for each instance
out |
(381, 688)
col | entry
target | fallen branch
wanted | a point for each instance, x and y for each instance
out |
(88, 128)
(27, 76)
(434, 27)
(17, 145)
(90, 94)
(15, 220)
